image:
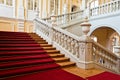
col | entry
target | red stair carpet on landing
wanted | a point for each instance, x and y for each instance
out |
(21, 58)
(105, 76)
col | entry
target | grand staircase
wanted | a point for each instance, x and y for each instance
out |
(55, 54)
(26, 56)
(22, 53)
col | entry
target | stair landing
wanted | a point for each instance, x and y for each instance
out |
(82, 72)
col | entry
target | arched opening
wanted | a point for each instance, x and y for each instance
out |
(73, 8)
(106, 36)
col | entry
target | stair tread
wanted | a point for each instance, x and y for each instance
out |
(14, 58)
(64, 64)
(12, 72)
(61, 59)
(54, 51)
(56, 55)
(52, 48)
(44, 45)
(25, 62)
(21, 48)
(23, 45)
(22, 52)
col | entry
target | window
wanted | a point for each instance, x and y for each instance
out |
(35, 4)
(32, 4)
(6, 2)
(94, 38)
(94, 3)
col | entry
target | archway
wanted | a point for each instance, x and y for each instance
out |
(73, 8)
(106, 36)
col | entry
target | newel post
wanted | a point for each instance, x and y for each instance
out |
(53, 24)
(85, 47)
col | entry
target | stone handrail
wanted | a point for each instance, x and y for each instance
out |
(109, 7)
(105, 58)
(65, 18)
(83, 50)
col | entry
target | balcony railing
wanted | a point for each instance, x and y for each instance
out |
(111, 7)
(66, 18)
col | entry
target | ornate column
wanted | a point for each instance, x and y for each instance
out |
(84, 3)
(51, 30)
(85, 47)
(40, 8)
(70, 5)
(20, 10)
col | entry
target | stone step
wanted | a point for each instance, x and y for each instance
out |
(61, 59)
(56, 55)
(45, 45)
(52, 51)
(42, 42)
(66, 64)
(49, 48)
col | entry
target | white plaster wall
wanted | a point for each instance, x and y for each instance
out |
(6, 11)
(31, 15)
(75, 29)
(112, 21)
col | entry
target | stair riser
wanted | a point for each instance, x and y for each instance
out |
(13, 42)
(70, 65)
(29, 70)
(27, 64)
(64, 60)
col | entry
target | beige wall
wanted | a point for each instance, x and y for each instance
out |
(7, 24)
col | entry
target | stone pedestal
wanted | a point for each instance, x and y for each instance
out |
(85, 46)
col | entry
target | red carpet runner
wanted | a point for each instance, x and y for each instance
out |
(21, 58)
(105, 76)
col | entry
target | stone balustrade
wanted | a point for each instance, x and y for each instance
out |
(83, 50)
(65, 18)
(109, 7)
(105, 58)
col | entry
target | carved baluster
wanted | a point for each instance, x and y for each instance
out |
(62, 40)
(69, 44)
(66, 38)
(72, 46)
(76, 49)
(54, 35)
(57, 37)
